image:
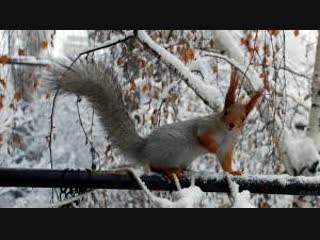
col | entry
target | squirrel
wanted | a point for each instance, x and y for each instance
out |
(170, 148)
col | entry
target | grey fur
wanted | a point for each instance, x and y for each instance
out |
(95, 82)
(172, 145)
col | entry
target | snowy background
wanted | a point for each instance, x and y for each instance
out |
(156, 95)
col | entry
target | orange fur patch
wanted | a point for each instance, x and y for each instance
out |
(168, 172)
(227, 164)
(208, 142)
(253, 101)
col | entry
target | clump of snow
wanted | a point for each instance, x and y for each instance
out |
(240, 200)
(188, 197)
(185, 198)
(302, 154)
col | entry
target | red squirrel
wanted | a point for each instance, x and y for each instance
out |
(170, 148)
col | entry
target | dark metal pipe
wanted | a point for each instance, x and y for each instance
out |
(45, 178)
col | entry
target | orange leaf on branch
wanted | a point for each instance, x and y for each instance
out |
(274, 33)
(21, 52)
(244, 41)
(44, 44)
(18, 95)
(4, 59)
(145, 88)
(133, 86)
(1, 101)
(186, 54)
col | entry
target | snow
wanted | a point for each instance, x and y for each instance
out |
(227, 43)
(185, 198)
(302, 153)
(188, 198)
(240, 200)
(192, 80)
(243, 200)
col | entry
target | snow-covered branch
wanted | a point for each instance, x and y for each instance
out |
(29, 61)
(113, 41)
(228, 45)
(193, 81)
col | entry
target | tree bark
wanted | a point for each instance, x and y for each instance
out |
(314, 119)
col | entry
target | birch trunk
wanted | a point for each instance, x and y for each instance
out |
(314, 119)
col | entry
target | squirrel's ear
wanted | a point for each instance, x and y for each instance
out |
(231, 94)
(253, 101)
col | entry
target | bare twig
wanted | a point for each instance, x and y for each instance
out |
(93, 151)
(52, 127)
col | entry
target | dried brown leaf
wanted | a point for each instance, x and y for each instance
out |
(4, 59)
(21, 52)
(3, 83)
(44, 44)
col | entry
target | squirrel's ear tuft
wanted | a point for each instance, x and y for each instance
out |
(253, 101)
(231, 94)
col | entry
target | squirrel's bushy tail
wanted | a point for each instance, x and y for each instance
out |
(97, 83)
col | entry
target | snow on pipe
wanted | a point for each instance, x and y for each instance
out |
(122, 180)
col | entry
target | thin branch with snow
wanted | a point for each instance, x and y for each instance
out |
(193, 81)
(28, 61)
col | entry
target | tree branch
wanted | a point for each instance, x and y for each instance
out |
(28, 61)
(195, 83)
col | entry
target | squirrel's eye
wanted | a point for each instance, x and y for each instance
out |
(231, 125)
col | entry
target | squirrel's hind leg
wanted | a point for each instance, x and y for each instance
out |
(168, 172)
